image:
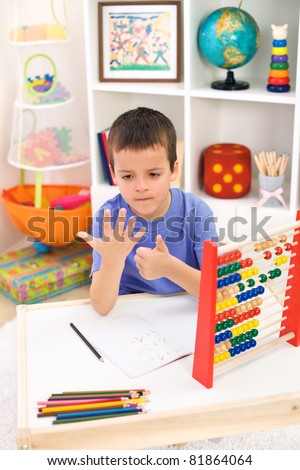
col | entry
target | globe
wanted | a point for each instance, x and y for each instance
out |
(229, 38)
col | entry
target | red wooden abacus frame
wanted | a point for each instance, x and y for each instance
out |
(203, 366)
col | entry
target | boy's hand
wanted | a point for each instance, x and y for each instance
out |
(153, 264)
(116, 243)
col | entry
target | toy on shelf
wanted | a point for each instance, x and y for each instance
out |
(249, 301)
(44, 146)
(43, 223)
(279, 78)
(52, 15)
(227, 170)
(71, 201)
(271, 178)
(41, 84)
(229, 38)
(39, 32)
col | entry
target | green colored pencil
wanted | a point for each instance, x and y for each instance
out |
(92, 418)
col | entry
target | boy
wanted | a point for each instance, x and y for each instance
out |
(149, 238)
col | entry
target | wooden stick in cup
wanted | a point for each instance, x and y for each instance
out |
(277, 166)
(258, 164)
(284, 163)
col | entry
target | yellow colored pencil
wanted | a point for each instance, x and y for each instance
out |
(138, 400)
(92, 406)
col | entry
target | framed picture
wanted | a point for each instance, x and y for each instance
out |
(139, 41)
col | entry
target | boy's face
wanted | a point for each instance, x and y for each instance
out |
(144, 177)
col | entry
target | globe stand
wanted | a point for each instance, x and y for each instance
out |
(230, 83)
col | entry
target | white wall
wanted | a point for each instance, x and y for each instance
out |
(9, 176)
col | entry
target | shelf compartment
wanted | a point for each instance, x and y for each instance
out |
(50, 140)
(44, 77)
(259, 127)
(265, 13)
(256, 93)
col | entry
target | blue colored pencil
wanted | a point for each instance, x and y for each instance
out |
(86, 414)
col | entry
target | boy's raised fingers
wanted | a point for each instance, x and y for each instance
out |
(120, 224)
(130, 226)
(137, 237)
(106, 225)
(86, 237)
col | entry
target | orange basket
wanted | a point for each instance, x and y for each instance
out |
(53, 227)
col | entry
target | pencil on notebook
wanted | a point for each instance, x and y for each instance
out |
(86, 342)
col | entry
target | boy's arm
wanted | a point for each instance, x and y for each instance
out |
(105, 287)
(184, 276)
(156, 263)
(114, 247)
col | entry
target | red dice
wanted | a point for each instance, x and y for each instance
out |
(227, 170)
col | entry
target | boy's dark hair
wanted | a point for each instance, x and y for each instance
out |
(139, 129)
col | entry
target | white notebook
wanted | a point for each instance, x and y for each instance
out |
(163, 332)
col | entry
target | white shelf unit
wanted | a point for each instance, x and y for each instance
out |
(202, 116)
(57, 112)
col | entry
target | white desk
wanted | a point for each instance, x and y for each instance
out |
(261, 393)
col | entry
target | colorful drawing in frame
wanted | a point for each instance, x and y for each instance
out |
(139, 41)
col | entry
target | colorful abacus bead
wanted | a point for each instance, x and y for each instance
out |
(282, 238)
(229, 269)
(280, 260)
(263, 278)
(267, 255)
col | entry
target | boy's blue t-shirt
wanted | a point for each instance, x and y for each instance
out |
(188, 222)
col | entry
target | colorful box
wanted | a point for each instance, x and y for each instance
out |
(28, 277)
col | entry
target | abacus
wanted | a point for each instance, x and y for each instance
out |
(247, 304)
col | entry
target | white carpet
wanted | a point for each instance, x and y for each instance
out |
(8, 385)
(287, 438)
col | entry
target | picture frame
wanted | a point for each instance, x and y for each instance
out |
(139, 41)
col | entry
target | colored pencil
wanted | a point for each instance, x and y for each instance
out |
(84, 414)
(89, 397)
(85, 401)
(90, 406)
(92, 418)
(92, 397)
(40, 414)
(86, 342)
(138, 399)
(101, 392)
(77, 406)
(78, 402)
